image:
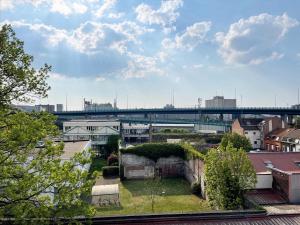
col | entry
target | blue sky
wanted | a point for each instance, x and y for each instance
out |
(100, 49)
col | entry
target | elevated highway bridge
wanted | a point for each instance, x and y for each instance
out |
(200, 111)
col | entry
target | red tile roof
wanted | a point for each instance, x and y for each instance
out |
(284, 161)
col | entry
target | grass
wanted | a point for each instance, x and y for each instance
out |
(97, 165)
(170, 195)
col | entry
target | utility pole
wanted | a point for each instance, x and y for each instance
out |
(298, 98)
(66, 102)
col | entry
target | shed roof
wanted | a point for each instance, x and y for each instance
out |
(250, 123)
(109, 189)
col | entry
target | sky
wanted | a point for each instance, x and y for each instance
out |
(141, 52)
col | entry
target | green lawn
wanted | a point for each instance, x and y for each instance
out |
(171, 195)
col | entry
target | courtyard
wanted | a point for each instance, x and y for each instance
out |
(155, 196)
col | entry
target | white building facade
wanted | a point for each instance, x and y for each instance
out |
(97, 131)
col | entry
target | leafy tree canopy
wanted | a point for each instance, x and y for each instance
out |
(19, 81)
(237, 141)
(34, 182)
(228, 173)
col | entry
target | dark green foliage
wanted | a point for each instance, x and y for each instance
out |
(238, 141)
(113, 159)
(297, 122)
(155, 151)
(213, 139)
(19, 80)
(228, 173)
(112, 145)
(196, 188)
(109, 171)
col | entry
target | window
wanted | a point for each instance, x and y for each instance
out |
(268, 164)
(297, 163)
(246, 132)
(254, 132)
(255, 142)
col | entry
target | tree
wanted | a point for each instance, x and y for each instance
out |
(19, 81)
(228, 173)
(28, 175)
(238, 141)
(112, 145)
(297, 122)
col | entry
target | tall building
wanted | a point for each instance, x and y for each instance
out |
(220, 102)
(59, 107)
(45, 108)
(90, 106)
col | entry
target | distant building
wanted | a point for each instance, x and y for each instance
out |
(273, 141)
(296, 106)
(169, 106)
(25, 108)
(220, 102)
(59, 107)
(250, 128)
(90, 106)
(257, 129)
(97, 131)
(45, 108)
(135, 133)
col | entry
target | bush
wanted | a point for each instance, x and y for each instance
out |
(155, 151)
(196, 188)
(113, 160)
(110, 171)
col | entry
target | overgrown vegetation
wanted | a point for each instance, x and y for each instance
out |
(237, 141)
(112, 145)
(155, 151)
(228, 173)
(29, 177)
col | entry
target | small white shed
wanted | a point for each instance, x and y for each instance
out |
(103, 195)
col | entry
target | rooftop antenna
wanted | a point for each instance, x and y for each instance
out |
(298, 97)
(235, 93)
(66, 102)
(241, 101)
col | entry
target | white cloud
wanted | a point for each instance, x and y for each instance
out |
(67, 7)
(165, 16)
(57, 76)
(100, 79)
(253, 40)
(115, 15)
(107, 4)
(90, 37)
(191, 38)
(6, 5)
(141, 66)
(197, 66)
(64, 7)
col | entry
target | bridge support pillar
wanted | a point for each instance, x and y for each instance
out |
(287, 118)
(221, 117)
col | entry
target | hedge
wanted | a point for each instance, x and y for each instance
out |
(155, 151)
(110, 171)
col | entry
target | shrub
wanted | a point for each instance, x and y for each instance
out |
(110, 171)
(155, 151)
(196, 188)
(113, 159)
